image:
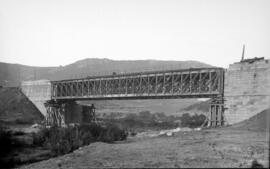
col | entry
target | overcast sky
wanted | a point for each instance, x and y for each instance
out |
(59, 32)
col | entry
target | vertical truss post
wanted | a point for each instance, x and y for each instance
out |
(181, 83)
(221, 81)
(133, 85)
(119, 86)
(210, 82)
(148, 84)
(172, 75)
(190, 81)
(56, 90)
(200, 82)
(106, 87)
(77, 89)
(164, 83)
(211, 114)
(126, 86)
(52, 89)
(59, 90)
(66, 90)
(82, 86)
(94, 87)
(140, 85)
(156, 83)
(71, 89)
(88, 87)
(100, 87)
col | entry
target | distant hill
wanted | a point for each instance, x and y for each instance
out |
(13, 74)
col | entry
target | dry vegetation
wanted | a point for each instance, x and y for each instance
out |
(233, 146)
(207, 148)
(55, 141)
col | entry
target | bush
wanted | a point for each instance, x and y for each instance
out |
(5, 142)
(192, 121)
(145, 115)
(65, 140)
(113, 133)
(7, 145)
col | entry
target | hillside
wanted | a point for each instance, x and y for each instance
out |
(12, 74)
(258, 122)
(16, 108)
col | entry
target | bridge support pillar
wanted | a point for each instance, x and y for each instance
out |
(216, 112)
(55, 114)
(63, 113)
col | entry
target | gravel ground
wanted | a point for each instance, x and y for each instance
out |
(224, 147)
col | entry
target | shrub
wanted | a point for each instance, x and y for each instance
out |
(145, 115)
(5, 142)
(65, 140)
(113, 133)
(7, 145)
(40, 137)
(192, 121)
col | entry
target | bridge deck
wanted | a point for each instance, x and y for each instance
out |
(187, 83)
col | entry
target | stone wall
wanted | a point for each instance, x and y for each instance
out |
(247, 90)
(38, 92)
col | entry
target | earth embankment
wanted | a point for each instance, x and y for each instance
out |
(16, 108)
(258, 122)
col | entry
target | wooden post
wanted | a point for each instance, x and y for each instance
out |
(211, 115)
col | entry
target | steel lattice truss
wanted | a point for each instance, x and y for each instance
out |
(204, 82)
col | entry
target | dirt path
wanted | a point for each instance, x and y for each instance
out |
(207, 148)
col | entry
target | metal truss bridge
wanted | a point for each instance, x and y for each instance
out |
(185, 83)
